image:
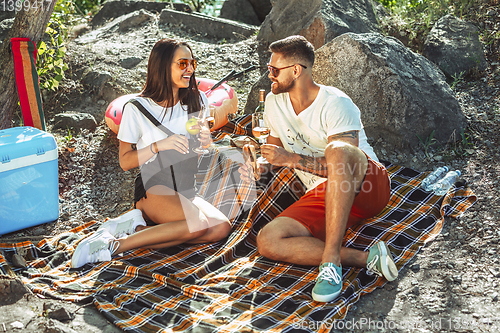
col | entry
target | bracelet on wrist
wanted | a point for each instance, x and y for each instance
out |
(151, 148)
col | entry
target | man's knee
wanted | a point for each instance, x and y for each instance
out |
(339, 150)
(266, 238)
(345, 159)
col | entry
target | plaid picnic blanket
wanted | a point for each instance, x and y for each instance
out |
(227, 286)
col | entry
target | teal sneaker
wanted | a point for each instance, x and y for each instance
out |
(328, 284)
(380, 262)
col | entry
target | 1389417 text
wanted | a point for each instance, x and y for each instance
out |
(20, 5)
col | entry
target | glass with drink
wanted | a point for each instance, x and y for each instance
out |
(210, 121)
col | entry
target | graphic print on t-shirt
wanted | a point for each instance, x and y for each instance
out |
(300, 142)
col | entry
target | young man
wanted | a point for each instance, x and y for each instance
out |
(317, 130)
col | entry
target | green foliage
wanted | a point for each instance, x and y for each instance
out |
(84, 6)
(457, 79)
(69, 136)
(427, 143)
(411, 20)
(389, 4)
(51, 49)
(50, 57)
(461, 147)
(429, 9)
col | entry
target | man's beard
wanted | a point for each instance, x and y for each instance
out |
(282, 87)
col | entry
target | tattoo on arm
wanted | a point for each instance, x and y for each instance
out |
(134, 146)
(314, 165)
(349, 135)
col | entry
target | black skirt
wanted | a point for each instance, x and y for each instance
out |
(171, 169)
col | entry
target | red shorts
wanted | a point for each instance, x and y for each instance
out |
(375, 192)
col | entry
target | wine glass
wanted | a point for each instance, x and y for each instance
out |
(261, 131)
(210, 121)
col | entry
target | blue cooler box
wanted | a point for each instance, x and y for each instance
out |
(29, 185)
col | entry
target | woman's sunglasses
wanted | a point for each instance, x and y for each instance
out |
(183, 63)
(275, 71)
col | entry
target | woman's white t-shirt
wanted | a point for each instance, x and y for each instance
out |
(332, 112)
(136, 128)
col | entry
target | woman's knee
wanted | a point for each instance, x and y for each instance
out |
(220, 231)
(195, 234)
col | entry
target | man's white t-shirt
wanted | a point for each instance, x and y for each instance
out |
(332, 112)
(136, 128)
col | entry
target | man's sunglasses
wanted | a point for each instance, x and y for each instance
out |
(183, 63)
(275, 71)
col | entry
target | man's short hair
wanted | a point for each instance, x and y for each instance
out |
(294, 47)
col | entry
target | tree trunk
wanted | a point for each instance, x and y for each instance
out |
(30, 23)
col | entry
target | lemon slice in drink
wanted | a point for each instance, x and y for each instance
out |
(191, 122)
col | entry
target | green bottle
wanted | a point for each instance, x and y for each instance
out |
(262, 97)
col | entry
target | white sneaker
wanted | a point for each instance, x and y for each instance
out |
(96, 248)
(124, 224)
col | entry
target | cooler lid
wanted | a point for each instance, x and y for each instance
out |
(23, 141)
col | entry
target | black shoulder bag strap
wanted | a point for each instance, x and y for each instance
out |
(148, 115)
(155, 122)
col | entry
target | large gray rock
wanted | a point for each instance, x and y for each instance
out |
(400, 93)
(454, 46)
(135, 19)
(123, 23)
(318, 20)
(261, 8)
(204, 24)
(76, 121)
(239, 10)
(11, 289)
(116, 8)
(95, 81)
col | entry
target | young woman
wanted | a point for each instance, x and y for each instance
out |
(164, 191)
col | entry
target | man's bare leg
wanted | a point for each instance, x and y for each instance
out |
(285, 239)
(347, 166)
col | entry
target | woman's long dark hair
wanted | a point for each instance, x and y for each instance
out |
(158, 84)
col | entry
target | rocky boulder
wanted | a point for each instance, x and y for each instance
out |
(400, 93)
(207, 25)
(11, 289)
(124, 23)
(239, 10)
(318, 20)
(116, 8)
(76, 121)
(261, 8)
(454, 46)
(95, 81)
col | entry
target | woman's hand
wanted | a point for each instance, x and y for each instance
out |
(205, 137)
(204, 132)
(176, 142)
